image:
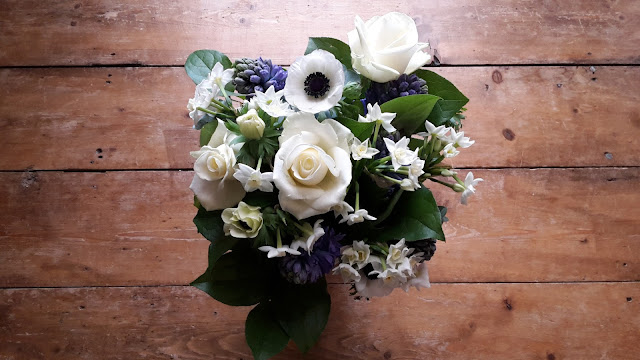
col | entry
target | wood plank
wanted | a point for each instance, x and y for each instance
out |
(132, 118)
(71, 32)
(448, 321)
(134, 228)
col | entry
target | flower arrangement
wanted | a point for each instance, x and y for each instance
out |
(320, 169)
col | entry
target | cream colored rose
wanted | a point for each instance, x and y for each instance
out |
(214, 184)
(386, 46)
(312, 168)
(251, 125)
(242, 222)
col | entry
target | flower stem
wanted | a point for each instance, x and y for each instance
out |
(389, 209)
(279, 243)
(375, 132)
(357, 196)
(441, 182)
(213, 112)
(224, 92)
(259, 163)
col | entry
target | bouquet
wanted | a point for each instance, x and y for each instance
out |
(319, 169)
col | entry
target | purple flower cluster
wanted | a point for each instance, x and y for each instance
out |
(403, 86)
(309, 268)
(257, 75)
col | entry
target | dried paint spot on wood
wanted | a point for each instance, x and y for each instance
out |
(508, 134)
(608, 155)
(29, 179)
(496, 76)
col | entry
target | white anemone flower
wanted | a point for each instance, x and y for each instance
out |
(361, 150)
(400, 153)
(279, 251)
(252, 179)
(315, 82)
(271, 102)
(357, 217)
(375, 114)
(470, 187)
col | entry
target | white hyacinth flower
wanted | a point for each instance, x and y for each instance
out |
(450, 151)
(315, 82)
(271, 102)
(459, 140)
(348, 272)
(470, 187)
(357, 217)
(342, 209)
(252, 179)
(400, 153)
(279, 251)
(374, 114)
(361, 150)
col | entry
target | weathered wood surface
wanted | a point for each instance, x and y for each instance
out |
(133, 118)
(447, 321)
(73, 32)
(134, 228)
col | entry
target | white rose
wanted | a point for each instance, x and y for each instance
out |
(214, 184)
(251, 125)
(243, 222)
(312, 168)
(386, 46)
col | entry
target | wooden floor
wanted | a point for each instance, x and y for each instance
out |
(96, 240)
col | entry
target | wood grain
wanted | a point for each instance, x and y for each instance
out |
(73, 32)
(447, 321)
(136, 118)
(134, 228)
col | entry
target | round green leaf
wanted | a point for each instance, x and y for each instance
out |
(200, 62)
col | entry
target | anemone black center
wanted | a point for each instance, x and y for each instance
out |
(316, 84)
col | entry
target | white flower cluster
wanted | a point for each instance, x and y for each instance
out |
(402, 268)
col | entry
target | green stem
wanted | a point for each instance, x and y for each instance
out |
(458, 180)
(442, 182)
(224, 92)
(213, 112)
(259, 164)
(357, 196)
(389, 209)
(279, 243)
(375, 133)
(220, 104)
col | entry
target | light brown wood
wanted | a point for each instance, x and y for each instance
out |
(134, 228)
(76, 32)
(447, 321)
(136, 118)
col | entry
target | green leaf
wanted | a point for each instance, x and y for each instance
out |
(416, 217)
(210, 225)
(411, 111)
(260, 198)
(264, 334)
(303, 311)
(339, 49)
(238, 278)
(452, 99)
(207, 131)
(361, 130)
(200, 62)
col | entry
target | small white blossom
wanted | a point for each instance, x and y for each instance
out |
(348, 272)
(400, 153)
(357, 217)
(391, 277)
(278, 252)
(416, 169)
(253, 180)
(205, 92)
(219, 75)
(435, 132)
(397, 254)
(459, 140)
(409, 185)
(470, 187)
(311, 235)
(271, 102)
(357, 254)
(374, 114)
(342, 209)
(450, 151)
(361, 150)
